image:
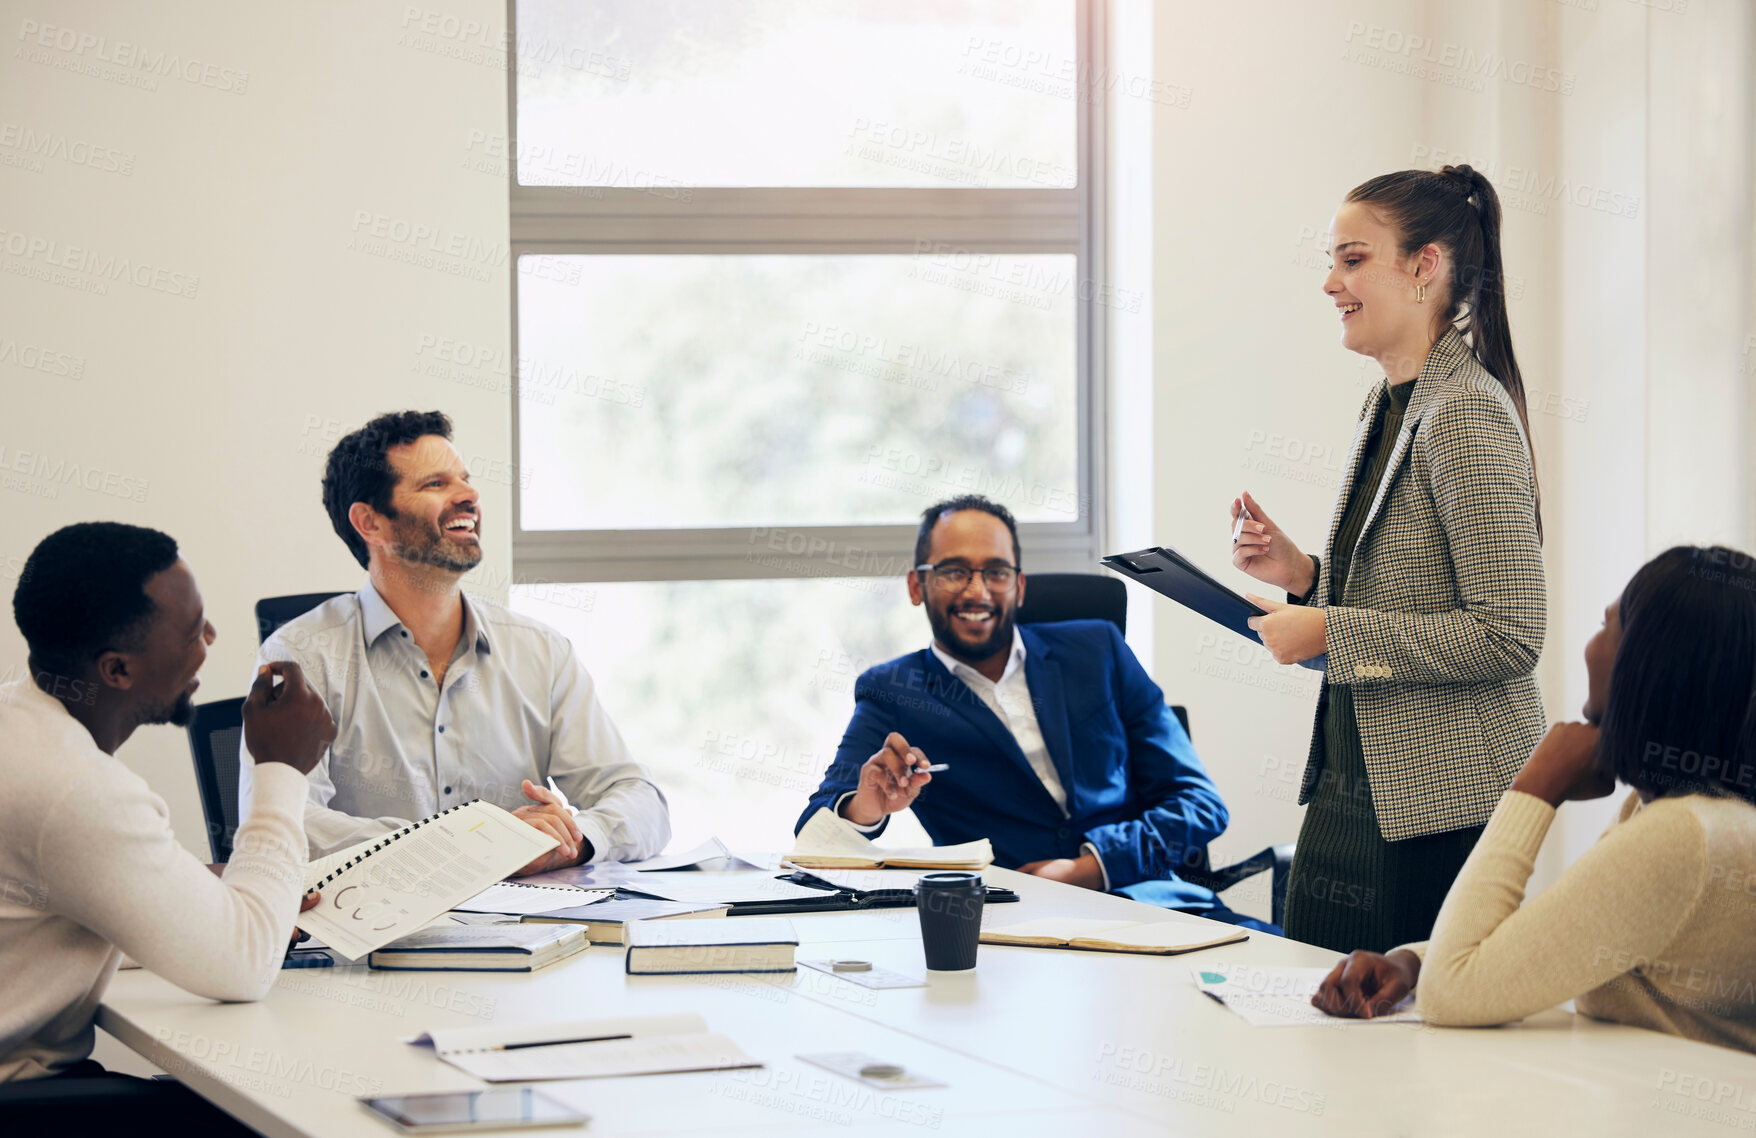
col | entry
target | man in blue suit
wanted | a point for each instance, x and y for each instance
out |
(1062, 751)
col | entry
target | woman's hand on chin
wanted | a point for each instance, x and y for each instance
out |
(1564, 766)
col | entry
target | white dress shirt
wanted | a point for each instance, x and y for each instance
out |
(1010, 701)
(516, 704)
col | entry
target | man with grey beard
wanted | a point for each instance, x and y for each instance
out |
(439, 697)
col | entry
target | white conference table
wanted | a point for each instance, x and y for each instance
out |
(1033, 1042)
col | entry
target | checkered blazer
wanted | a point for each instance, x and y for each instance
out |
(1441, 621)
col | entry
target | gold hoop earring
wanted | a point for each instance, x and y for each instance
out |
(1421, 293)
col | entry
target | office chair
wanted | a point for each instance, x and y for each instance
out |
(272, 612)
(42, 1106)
(215, 737)
(1087, 596)
(1074, 596)
(1276, 860)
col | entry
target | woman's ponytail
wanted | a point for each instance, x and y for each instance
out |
(1458, 210)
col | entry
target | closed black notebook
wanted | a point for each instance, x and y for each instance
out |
(1164, 570)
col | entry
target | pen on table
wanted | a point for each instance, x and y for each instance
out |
(560, 798)
(558, 1042)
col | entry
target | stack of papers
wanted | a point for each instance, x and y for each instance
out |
(712, 854)
(1281, 997)
(831, 842)
(607, 922)
(599, 875)
(718, 888)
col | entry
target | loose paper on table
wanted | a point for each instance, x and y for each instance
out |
(718, 888)
(711, 855)
(516, 898)
(1281, 997)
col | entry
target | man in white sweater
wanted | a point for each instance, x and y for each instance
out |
(117, 634)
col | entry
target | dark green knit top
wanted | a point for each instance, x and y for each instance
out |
(1375, 457)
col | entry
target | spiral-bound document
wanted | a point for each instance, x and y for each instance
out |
(515, 898)
(392, 885)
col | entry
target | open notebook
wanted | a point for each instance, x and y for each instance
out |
(587, 1049)
(831, 842)
(1157, 938)
(389, 886)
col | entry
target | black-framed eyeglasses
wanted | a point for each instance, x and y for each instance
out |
(951, 577)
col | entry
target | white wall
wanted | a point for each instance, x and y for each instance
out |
(1628, 249)
(1657, 314)
(207, 415)
(1253, 392)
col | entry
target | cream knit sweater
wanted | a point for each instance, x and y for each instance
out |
(89, 869)
(1654, 926)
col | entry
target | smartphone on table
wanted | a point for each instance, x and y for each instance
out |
(450, 1112)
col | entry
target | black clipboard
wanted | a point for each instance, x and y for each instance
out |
(1166, 571)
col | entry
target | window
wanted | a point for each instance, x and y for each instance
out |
(789, 271)
(792, 389)
(735, 693)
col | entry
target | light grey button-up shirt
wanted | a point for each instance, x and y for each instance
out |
(516, 704)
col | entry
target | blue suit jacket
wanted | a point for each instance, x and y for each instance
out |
(1135, 789)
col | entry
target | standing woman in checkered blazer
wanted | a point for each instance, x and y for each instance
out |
(1428, 606)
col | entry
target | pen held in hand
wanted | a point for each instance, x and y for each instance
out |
(561, 799)
(1243, 516)
(935, 768)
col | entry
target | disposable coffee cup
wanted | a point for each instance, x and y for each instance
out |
(950, 905)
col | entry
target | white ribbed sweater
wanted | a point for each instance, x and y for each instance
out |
(89, 869)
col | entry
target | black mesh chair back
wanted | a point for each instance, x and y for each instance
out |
(272, 612)
(1081, 596)
(216, 737)
(1074, 596)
